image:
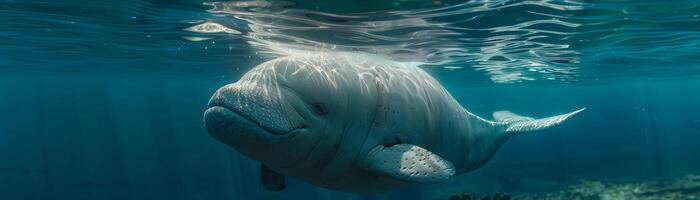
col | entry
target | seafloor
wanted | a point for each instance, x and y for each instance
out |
(685, 188)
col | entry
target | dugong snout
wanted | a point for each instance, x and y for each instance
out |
(261, 122)
(251, 109)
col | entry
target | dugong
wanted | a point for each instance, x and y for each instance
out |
(355, 122)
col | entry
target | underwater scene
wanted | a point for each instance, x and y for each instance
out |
(350, 99)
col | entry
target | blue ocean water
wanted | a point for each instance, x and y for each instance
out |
(104, 99)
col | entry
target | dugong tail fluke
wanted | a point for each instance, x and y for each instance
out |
(515, 123)
(496, 133)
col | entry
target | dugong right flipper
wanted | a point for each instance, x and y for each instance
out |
(271, 180)
(408, 162)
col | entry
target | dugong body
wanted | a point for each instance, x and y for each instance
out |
(355, 122)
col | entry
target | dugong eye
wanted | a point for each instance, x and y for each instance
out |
(319, 109)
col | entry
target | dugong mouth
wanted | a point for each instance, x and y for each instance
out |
(222, 120)
(250, 110)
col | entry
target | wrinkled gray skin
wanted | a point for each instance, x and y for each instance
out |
(317, 116)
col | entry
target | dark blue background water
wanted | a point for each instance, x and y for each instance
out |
(104, 100)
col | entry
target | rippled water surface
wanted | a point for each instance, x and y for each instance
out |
(498, 40)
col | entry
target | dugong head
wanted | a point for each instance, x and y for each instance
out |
(284, 113)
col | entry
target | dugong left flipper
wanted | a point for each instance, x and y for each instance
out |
(408, 163)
